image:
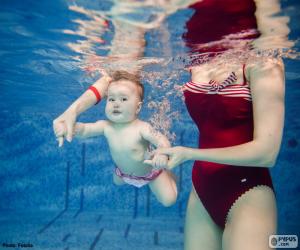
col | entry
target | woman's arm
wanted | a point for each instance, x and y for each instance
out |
(267, 89)
(272, 26)
(84, 102)
(89, 98)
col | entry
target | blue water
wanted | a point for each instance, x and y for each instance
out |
(64, 198)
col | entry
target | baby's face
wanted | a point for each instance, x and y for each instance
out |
(123, 102)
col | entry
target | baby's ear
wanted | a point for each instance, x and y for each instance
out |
(139, 107)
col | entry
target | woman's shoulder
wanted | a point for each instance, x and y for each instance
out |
(267, 79)
(263, 66)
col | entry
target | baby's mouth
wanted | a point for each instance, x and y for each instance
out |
(116, 112)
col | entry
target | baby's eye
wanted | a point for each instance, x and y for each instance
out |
(124, 99)
(111, 99)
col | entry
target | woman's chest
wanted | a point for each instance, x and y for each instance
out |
(215, 107)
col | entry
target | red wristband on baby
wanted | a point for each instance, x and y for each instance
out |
(96, 92)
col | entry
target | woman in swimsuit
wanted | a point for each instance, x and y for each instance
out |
(239, 111)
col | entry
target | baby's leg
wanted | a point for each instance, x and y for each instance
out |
(164, 188)
(118, 180)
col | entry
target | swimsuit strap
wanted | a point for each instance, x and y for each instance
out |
(244, 76)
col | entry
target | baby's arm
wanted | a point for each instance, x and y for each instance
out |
(85, 130)
(159, 141)
(82, 130)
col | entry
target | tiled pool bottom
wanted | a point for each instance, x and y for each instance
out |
(89, 230)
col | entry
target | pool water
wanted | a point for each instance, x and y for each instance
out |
(64, 198)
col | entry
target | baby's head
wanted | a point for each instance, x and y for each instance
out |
(124, 97)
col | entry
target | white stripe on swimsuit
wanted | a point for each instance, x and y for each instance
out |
(226, 88)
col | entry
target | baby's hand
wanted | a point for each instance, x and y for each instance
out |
(159, 161)
(60, 132)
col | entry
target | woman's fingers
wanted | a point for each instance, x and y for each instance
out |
(172, 163)
(160, 163)
(55, 126)
(65, 122)
(162, 151)
(149, 162)
(174, 154)
(70, 132)
(60, 141)
(156, 164)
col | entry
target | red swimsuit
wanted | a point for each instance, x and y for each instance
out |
(223, 114)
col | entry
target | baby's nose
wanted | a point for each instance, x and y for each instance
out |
(116, 104)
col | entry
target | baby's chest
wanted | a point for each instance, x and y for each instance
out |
(125, 141)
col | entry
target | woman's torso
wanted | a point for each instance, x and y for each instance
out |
(222, 109)
(224, 116)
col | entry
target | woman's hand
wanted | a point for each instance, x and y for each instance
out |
(177, 155)
(67, 119)
(60, 132)
(159, 161)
